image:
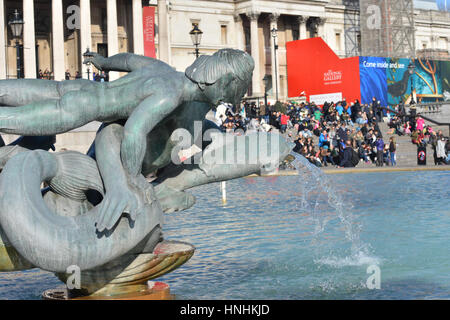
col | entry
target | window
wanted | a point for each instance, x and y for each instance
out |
(224, 34)
(338, 41)
(442, 43)
(102, 49)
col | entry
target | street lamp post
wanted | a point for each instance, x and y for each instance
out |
(411, 69)
(196, 36)
(88, 54)
(266, 83)
(16, 25)
(275, 48)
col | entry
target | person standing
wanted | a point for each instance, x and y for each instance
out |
(380, 148)
(392, 150)
(103, 77)
(375, 108)
(402, 112)
(67, 75)
(356, 108)
(420, 123)
(346, 160)
(433, 142)
(440, 151)
(412, 109)
(283, 122)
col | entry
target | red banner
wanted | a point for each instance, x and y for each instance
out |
(313, 68)
(149, 32)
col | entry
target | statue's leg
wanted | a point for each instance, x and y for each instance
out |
(21, 92)
(49, 117)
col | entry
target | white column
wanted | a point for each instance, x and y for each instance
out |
(302, 32)
(138, 28)
(85, 33)
(274, 53)
(163, 32)
(29, 40)
(58, 40)
(256, 79)
(2, 41)
(113, 37)
(239, 32)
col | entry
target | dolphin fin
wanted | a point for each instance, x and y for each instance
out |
(77, 173)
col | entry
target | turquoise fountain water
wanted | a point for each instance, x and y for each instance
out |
(311, 236)
(316, 184)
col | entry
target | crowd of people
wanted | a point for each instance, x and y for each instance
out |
(348, 133)
(423, 135)
(96, 76)
(46, 74)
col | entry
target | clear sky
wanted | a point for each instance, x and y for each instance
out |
(443, 5)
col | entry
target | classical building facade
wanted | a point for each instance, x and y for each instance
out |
(56, 33)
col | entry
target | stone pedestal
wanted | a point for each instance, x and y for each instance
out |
(127, 278)
(154, 291)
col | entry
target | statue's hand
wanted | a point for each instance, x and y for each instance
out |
(95, 59)
(129, 198)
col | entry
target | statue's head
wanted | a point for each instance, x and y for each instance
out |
(224, 76)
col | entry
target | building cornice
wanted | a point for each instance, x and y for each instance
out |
(295, 8)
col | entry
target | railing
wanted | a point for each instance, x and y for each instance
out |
(430, 107)
(438, 123)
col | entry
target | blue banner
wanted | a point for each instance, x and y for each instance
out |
(372, 73)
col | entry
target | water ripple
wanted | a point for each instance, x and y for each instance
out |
(279, 238)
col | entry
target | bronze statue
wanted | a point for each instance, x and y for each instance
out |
(100, 214)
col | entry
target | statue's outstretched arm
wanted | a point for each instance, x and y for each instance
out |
(122, 62)
(144, 118)
(123, 192)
